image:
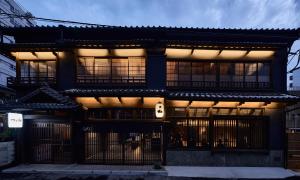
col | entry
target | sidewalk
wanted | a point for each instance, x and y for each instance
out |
(85, 169)
(170, 172)
(230, 172)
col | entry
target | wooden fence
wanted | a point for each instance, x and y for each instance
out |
(293, 150)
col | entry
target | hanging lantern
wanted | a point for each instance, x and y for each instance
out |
(159, 110)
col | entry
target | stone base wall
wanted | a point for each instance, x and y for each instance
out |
(207, 158)
(7, 152)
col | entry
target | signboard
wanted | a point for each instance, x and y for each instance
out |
(15, 120)
(159, 110)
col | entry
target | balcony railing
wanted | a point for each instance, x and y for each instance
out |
(113, 81)
(219, 85)
(16, 81)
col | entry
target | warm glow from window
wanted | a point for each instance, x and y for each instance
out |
(131, 101)
(178, 53)
(89, 102)
(36, 55)
(274, 105)
(177, 103)
(260, 54)
(202, 104)
(226, 104)
(92, 52)
(205, 54)
(252, 104)
(128, 52)
(216, 54)
(150, 102)
(110, 101)
(232, 54)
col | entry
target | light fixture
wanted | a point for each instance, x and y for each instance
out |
(159, 110)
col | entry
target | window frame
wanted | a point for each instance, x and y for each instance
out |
(110, 81)
(217, 84)
(29, 79)
(211, 133)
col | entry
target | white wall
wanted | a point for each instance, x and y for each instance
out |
(7, 69)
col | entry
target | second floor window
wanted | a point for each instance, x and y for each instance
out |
(38, 71)
(191, 74)
(228, 75)
(118, 70)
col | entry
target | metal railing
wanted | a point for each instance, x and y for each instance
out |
(13, 81)
(219, 85)
(122, 80)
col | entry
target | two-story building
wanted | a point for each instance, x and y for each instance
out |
(144, 95)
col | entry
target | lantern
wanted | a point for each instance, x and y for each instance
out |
(159, 110)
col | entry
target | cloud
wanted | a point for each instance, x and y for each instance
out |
(191, 13)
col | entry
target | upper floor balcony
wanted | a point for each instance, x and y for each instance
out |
(30, 81)
(177, 69)
(216, 75)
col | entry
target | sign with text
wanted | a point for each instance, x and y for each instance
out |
(15, 120)
(159, 110)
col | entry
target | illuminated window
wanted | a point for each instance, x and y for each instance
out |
(189, 133)
(224, 134)
(250, 72)
(263, 74)
(231, 74)
(38, 71)
(117, 70)
(240, 134)
(191, 74)
(122, 113)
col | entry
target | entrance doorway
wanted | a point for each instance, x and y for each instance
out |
(122, 147)
(50, 142)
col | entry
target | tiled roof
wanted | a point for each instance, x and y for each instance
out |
(115, 92)
(40, 106)
(150, 27)
(191, 95)
(62, 102)
(57, 37)
(50, 92)
(253, 96)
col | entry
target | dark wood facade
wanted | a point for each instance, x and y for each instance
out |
(89, 94)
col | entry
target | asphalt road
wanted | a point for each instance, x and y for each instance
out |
(53, 176)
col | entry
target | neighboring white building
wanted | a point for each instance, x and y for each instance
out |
(8, 66)
(293, 87)
(294, 81)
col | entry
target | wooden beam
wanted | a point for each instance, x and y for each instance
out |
(120, 100)
(33, 53)
(55, 53)
(98, 99)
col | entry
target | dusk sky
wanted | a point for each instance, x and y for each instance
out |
(190, 13)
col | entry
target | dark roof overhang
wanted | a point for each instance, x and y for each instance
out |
(251, 97)
(185, 95)
(115, 92)
(59, 102)
(150, 36)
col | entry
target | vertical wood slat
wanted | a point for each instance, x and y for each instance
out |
(116, 147)
(293, 151)
(51, 142)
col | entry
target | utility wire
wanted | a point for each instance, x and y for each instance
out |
(52, 20)
(29, 16)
